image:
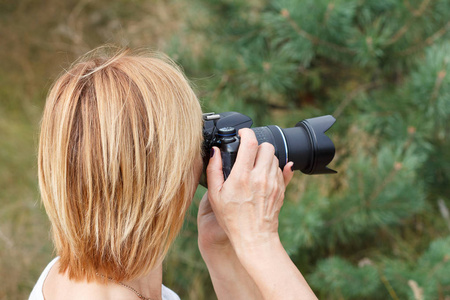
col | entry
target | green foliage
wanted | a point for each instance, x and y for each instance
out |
(339, 278)
(428, 279)
(381, 67)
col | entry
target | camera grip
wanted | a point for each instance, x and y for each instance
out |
(228, 150)
(228, 159)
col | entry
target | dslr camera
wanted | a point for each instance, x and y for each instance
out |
(305, 144)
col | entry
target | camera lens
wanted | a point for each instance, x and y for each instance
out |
(305, 144)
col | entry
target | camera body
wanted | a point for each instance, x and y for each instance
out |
(305, 144)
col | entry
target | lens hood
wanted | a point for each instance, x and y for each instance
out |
(322, 147)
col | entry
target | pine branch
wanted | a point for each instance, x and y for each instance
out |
(400, 33)
(330, 8)
(417, 13)
(430, 40)
(438, 266)
(437, 86)
(397, 167)
(353, 95)
(417, 290)
(374, 195)
(313, 39)
(389, 287)
(408, 5)
(389, 178)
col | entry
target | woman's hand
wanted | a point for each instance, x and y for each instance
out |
(247, 204)
(229, 277)
(211, 235)
(246, 207)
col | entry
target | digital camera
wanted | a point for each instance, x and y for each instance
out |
(305, 144)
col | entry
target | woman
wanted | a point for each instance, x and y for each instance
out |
(119, 162)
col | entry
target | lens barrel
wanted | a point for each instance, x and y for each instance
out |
(305, 144)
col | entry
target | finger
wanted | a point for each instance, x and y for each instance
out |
(214, 173)
(273, 173)
(275, 166)
(248, 149)
(264, 157)
(288, 172)
(278, 187)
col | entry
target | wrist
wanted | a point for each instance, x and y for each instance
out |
(229, 277)
(273, 272)
(211, 252)
(259, 247)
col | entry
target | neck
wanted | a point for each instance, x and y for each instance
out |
(149, 285)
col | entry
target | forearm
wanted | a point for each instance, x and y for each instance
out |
(229, 277)
(273, 271)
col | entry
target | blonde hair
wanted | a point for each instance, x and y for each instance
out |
(120, 137)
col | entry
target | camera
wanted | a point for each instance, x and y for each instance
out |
(305, 144)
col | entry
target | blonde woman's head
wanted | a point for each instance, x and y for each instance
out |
(120, 140)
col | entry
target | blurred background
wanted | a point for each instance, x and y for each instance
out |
(379, 229)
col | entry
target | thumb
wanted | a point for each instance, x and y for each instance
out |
(214, 173)
(288, 172)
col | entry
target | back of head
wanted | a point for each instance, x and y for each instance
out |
(120, 137)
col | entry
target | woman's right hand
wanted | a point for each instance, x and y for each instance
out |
(246, 207)
(247, 204)
(229, 277)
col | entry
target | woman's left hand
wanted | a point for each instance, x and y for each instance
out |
(230, 279)
(210, 235)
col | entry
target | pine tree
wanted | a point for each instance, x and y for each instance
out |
(382, 68)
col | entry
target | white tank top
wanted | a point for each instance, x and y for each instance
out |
(37, 294)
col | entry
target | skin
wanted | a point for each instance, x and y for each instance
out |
(238, 227)
(59, 286)
(238, 236)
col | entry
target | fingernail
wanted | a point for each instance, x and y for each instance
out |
(211, 152)
(292, 167)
